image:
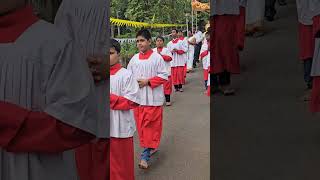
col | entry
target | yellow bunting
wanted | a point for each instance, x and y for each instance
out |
(121, 22)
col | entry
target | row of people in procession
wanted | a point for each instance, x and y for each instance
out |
(137, 95)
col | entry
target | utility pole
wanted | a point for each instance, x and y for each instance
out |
(118, 26)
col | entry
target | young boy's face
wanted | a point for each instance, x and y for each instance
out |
(143, 44)
(114, 56)
(10, 5)
(159, 43)
(174, 34)
(180, 34)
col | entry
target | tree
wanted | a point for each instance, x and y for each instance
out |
(154, 11)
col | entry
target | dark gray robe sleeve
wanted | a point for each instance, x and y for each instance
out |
(225, 7)
(70, 92)
(86, 22)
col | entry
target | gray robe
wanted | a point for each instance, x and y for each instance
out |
(225, 7)
(315, 70)
(86, 22)
(305, 14)
(255, 11)
(43, 70)
(243, 3)
(314, 6)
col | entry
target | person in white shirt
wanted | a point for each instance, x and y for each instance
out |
(205, 58)
(191, 46)
(124, 91)
(178, 49)
(150, 70)
(184, 44)
(167, 57)
(199, 38)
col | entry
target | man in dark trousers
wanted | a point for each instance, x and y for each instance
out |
(270, 10)
(199, 37)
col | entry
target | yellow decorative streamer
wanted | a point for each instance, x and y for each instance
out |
(121, 22)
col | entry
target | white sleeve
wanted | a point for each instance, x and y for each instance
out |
(161, 69)
(70, 91)
(167, 52)
(169, 46)
(184, 46)
(131, 90)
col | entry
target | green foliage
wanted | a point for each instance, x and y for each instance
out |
(155, 11)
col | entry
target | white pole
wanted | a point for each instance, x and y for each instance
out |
(187, 25)
(192, 18)
(118, 26)
(196, 20)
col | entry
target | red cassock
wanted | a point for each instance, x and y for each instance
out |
(177, 75)
(306, 41)
(241, 28)
(184, 74)
(93, 160)
(225, 44)
(205, 74)
(315, 94)
(167, 86)
(121, 159)
(149, 125)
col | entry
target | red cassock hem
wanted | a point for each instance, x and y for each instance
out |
(225, 44)
(93, 160)
(315, 95)
(316, 25)
(177, 75)
(184, 74)
(205, 74)
(241, 28)
(121, 159)
(149, 125)
(208, 91)
(167, 87)
(306, 41)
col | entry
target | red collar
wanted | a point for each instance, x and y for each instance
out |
(175, 41)
(146, 55)
(160, 49)
(14, 24)
(115, 68)
(181, 38)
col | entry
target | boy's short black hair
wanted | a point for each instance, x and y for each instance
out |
(115, 44)
(160, 37)
(174, 30)
(144, 33)
(179, 30)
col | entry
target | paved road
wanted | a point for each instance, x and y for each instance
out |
(265, 132)
(185, 148)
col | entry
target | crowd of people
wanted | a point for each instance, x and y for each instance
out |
(139, 92)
